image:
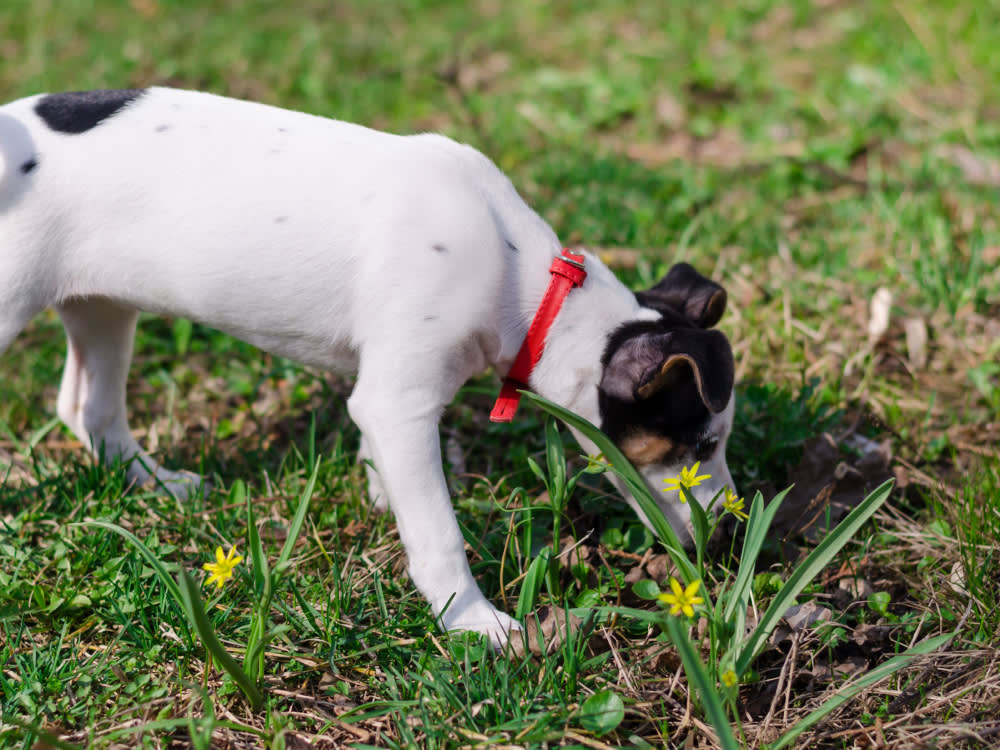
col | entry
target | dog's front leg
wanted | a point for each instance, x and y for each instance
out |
(399, 422)
(376, 493)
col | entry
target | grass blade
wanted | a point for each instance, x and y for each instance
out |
(758, 524)
(699, 525)
(300, 516)
(703, 682)
(191, 596)
(533, 580)
(258, 560)
(886, 669)
(555, 456)
(152, 560)
(818, 559)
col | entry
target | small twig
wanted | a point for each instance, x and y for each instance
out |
(623, 673)
(786, 668)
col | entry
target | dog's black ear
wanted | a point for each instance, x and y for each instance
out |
(685, 360)
(684, 291)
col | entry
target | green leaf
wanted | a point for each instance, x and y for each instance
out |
(602, 712)
(803, 575)
(41, 736)
(255, 654)
(649, 616)
(533, 580)
(182, 330)
(555, 456)
(537, 471)
(613, 538)
(646, 589)
(879, 602)
(767, 584)
(638, 539)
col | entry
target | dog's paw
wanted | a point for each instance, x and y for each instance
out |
(182, 485)
(483, 617)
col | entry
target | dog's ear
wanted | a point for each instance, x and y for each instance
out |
(684, 291)
(683, 359)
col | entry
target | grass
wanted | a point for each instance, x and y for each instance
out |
(802, 153)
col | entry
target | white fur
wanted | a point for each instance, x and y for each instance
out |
(325, 242)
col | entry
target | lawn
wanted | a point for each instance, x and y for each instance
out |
(835, 164)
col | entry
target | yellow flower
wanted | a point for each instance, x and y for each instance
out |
(688, 478)
(734, 505)
(597, 464)
(222, 568)
(729, 678)
(682, 599)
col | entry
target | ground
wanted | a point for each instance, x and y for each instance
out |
(835, 164)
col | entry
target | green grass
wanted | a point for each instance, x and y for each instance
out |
(802, 153)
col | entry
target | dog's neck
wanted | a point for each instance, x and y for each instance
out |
(570, 370)
(567, 273)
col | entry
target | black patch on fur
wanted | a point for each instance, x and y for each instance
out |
(676, 412)
(439, 248)
(512, 247)
(684, 291)
(29, 165)
(79, 111)
(430, 318)
(281, 220)
(162, 128)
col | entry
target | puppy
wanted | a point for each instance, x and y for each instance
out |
(408, 260)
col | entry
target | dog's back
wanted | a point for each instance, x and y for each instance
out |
(206, 207)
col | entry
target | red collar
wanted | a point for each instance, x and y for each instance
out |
(567, 272)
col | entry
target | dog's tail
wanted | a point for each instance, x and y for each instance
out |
(18, 157)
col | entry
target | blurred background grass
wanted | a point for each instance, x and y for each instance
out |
(804, 152)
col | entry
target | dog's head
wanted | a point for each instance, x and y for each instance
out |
(666, 393)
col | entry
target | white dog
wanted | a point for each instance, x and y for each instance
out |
(409, 260)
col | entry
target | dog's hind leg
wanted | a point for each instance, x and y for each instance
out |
(99, 335)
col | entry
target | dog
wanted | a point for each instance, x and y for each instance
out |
(410, 261)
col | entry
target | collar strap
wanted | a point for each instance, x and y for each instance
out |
(567, 272)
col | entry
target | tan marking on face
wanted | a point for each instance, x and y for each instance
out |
(645, 448)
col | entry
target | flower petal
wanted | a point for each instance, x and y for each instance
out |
(675, 586)
(692, 589)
